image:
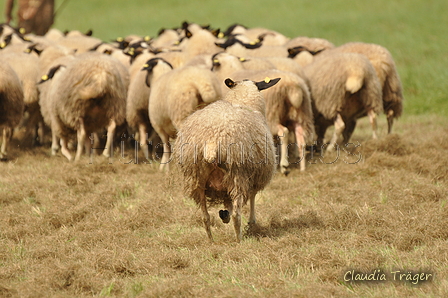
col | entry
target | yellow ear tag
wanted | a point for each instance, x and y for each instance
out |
(44, 77)
(221, 35)
(177, 42)
(267, 80)
(242, 59)
(22, 30)
(146, 65)
(2, 45)
(120, 39)
(147, 38)
(215, 61)
(27, 51)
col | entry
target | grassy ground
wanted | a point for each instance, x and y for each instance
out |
(104, 228)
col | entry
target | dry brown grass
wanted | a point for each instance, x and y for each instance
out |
(81, 230)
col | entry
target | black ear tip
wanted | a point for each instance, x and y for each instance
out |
(229, 83)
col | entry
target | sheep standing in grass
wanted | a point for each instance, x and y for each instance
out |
(174, 95)
(226, 154)
(386, 71)
(88, 96)
(344, 87)
(288, 104)
(11, 104)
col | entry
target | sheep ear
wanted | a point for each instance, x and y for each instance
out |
(266, 83)
(230, 83)
(50, 74)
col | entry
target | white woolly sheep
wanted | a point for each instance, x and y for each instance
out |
(386, 71)
(226, 154)
(11, 104)
(288, 104)
(174, 95)
(344, 87)
(87, 97)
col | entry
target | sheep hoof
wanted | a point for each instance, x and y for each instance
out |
(284, 171)
(224, 215)
(3, 159)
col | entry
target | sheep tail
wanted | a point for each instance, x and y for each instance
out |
(211, 152)
(95, 85)
(295, 96)
(354, 83)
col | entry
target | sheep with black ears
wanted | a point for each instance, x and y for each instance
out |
(174, 95)
(11, 104)
(288, 104)
(344, 87)
(387, 73)
(88, 96)
(226, 153)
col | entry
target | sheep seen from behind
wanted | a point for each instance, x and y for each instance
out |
(226, 152)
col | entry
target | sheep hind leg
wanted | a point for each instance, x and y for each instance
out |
(82, 135)
(205, 214)
(64, 149)
(339, 126)
(237, 206)
(252, 219)
(143, 136)
(107, 152)
(164, 163)
(7, 132)
(283, 133)
(300, 139)
(390, 121)
(372, 119)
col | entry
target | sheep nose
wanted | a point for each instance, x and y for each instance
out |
(224, 215)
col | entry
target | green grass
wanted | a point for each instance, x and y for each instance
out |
(414, 31)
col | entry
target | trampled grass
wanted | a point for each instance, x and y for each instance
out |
(124, 230)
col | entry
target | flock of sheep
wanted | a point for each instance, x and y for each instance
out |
(202, 87)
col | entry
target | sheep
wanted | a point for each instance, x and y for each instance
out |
(54, 70)
(89, 95)
(288, 104)
(137, 105)
(174, 95)
(386, 71)
(344, 87)
(215, 174)
(302, 49)
(11, 104)
(26, 67)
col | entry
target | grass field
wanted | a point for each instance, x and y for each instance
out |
(104, 228)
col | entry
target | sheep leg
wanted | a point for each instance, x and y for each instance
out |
(348, 131)
(81, 134)
(252, 219)
(372, 119)
(143, 140)
(164, 163)
(64, 149)
(110, 137)
(339, 126)
(390, 120)
(54, 143)
(300, 139)
(205, 214)
(237, 205)
(283, 132)
(7, 132)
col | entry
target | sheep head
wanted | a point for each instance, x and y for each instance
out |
(267, 83)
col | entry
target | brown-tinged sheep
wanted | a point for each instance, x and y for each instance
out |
(387, 73)
(11, 104)
(88, 96)
(174, 95)
(344, 87)
(26, 67)
(288, 104)
(226, 154)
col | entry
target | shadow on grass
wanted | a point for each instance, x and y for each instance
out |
(277, 226)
